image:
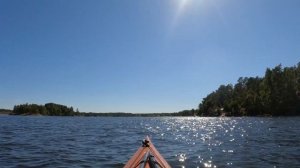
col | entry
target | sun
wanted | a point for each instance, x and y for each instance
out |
(182, 5)
(183, 10)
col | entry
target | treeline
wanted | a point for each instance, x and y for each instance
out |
(5, 111)
(115, 114)
(275, 94)
(191, 112)
(122, 114)
(50, 109)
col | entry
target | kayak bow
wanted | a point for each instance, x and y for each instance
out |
(147, 156)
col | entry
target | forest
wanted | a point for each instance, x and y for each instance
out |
(275, 94)
(50, 109)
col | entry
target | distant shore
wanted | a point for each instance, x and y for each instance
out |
(53, 109)
(123, 114)
(5, 111)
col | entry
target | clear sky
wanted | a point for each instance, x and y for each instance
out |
(139, 55)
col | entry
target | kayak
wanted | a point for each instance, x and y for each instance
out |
(147, 156)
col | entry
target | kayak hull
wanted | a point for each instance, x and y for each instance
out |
(138, 159)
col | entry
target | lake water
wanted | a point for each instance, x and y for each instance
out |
(39, 141)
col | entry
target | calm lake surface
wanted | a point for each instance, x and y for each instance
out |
(40, 141)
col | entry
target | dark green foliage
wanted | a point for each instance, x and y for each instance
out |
(276, 94)
(47, 109)
(52, 109)
(214, 103)
(192, 112)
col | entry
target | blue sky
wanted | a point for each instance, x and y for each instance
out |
(139, 55)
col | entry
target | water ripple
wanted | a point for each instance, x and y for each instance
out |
(185, 142)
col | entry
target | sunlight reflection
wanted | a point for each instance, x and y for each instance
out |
(200, 134)
(181, 157)
(209, 164)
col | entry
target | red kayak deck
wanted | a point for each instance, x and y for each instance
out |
(144, 155)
